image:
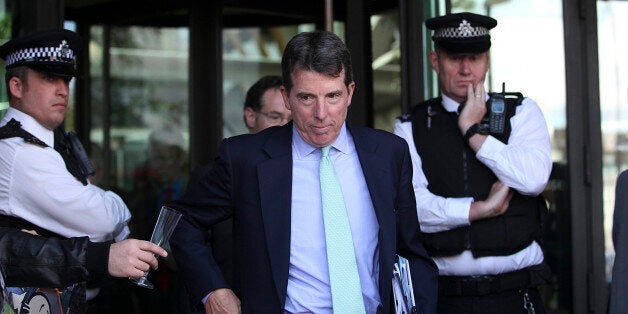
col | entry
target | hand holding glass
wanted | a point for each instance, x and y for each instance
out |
(167, 220)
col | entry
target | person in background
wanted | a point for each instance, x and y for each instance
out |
(478, 183)
(306, 198)
(263, 106)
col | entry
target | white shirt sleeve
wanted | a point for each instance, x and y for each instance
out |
(46, 194)
(525, 163)
(435, 213)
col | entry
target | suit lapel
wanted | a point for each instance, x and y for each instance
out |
(275, 184)
(376, 175)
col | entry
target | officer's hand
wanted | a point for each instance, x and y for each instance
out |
(495, 204)
(222, 301)
(474, 109)
(131, 257)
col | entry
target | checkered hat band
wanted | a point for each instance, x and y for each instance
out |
(40, 54)
(461, 32)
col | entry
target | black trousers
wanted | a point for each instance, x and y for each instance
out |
(506, 302)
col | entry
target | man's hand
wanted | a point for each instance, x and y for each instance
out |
(474, 109)
(131, 257)
(222, 301)
(495, 204)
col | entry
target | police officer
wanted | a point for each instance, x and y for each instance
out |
(43, 181)
(39, 183)
(477, 187)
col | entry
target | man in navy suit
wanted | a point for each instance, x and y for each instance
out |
(269, 183)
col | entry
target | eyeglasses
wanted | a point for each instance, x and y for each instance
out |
(274, 117)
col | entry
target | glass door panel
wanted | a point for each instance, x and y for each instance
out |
(148, 96)
(5, 35)
(613, 48)
(386, 69)
(139, 136)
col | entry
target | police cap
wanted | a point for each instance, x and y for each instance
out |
(462, 32)
(51, 51)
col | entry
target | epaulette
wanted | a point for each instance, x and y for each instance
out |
(14, 129)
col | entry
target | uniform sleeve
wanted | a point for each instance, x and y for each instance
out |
(46, 194)
(525, 163)
(435, 213)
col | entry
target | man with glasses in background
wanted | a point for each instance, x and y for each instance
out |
(263, 106)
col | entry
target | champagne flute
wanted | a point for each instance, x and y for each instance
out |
(167, 220)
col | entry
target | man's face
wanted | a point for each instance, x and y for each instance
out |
(273, 112)
(457, 71)
(167, 162)
(319, 105)
(42, 96)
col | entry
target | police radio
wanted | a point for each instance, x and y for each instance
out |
(497, 111)
(78, 152)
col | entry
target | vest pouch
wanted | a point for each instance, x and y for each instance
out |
(508, 233)
(446, 243)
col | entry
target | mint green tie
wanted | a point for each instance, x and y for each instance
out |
(346, 292)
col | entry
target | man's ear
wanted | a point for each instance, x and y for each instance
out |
(249, 117)
(16, 87)
(285, 96)
(434, 61)
(350, 89)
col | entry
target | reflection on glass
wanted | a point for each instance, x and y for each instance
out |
(386, 69)
(139, 134)
(148, 77)
(248, 54)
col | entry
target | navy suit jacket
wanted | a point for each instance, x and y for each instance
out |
(619, 284)
(251, 181)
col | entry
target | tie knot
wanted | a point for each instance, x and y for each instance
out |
(325, 151)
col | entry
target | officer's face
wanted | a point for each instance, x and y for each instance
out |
(457, 71)
(319, 105)
(42, 96)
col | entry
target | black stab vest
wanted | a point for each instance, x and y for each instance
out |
(452, 170)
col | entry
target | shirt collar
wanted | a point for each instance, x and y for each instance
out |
(30, 125)
(450, 104)
(303, 148)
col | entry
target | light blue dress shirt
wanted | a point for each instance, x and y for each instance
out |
(308, 278)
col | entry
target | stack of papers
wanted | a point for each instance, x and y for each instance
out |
(403, 293)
